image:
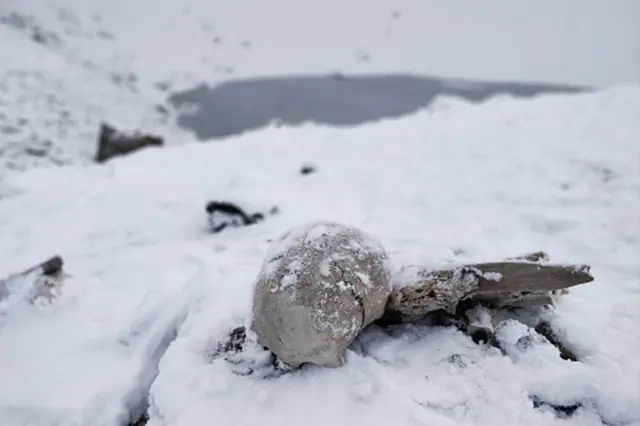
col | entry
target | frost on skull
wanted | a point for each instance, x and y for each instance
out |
(319, 286)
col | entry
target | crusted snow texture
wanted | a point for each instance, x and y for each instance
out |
(319, 286)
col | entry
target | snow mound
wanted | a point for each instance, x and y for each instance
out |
(152, 292)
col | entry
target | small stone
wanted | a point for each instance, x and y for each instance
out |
(307, 169)
(112, 143)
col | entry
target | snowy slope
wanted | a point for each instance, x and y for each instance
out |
(588, 42)
(460, 183)
(51, 108)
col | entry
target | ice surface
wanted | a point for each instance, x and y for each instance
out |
(472, 183)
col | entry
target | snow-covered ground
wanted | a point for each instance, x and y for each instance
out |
(150, 290)
(455, 183)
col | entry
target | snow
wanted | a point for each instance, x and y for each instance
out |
(469, 183)
(47, 113)
(67, 65)
(187, 42)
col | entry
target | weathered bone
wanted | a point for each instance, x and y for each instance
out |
(322, 271)
(528, 277)
(320, 285)
(525, 281)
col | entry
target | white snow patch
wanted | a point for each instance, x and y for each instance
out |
(492, 276)
(366, 280)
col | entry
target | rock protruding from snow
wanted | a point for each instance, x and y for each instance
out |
(113, 143)
(319, 286)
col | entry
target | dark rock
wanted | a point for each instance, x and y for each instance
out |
(545, 329)
(307, 169)
(246, 357)
(141, 421)
(224, 214)
(112, 143)
(562, 411)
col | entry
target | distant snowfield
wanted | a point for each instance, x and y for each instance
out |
(588, 42)
(459, 183)
(66, 65)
